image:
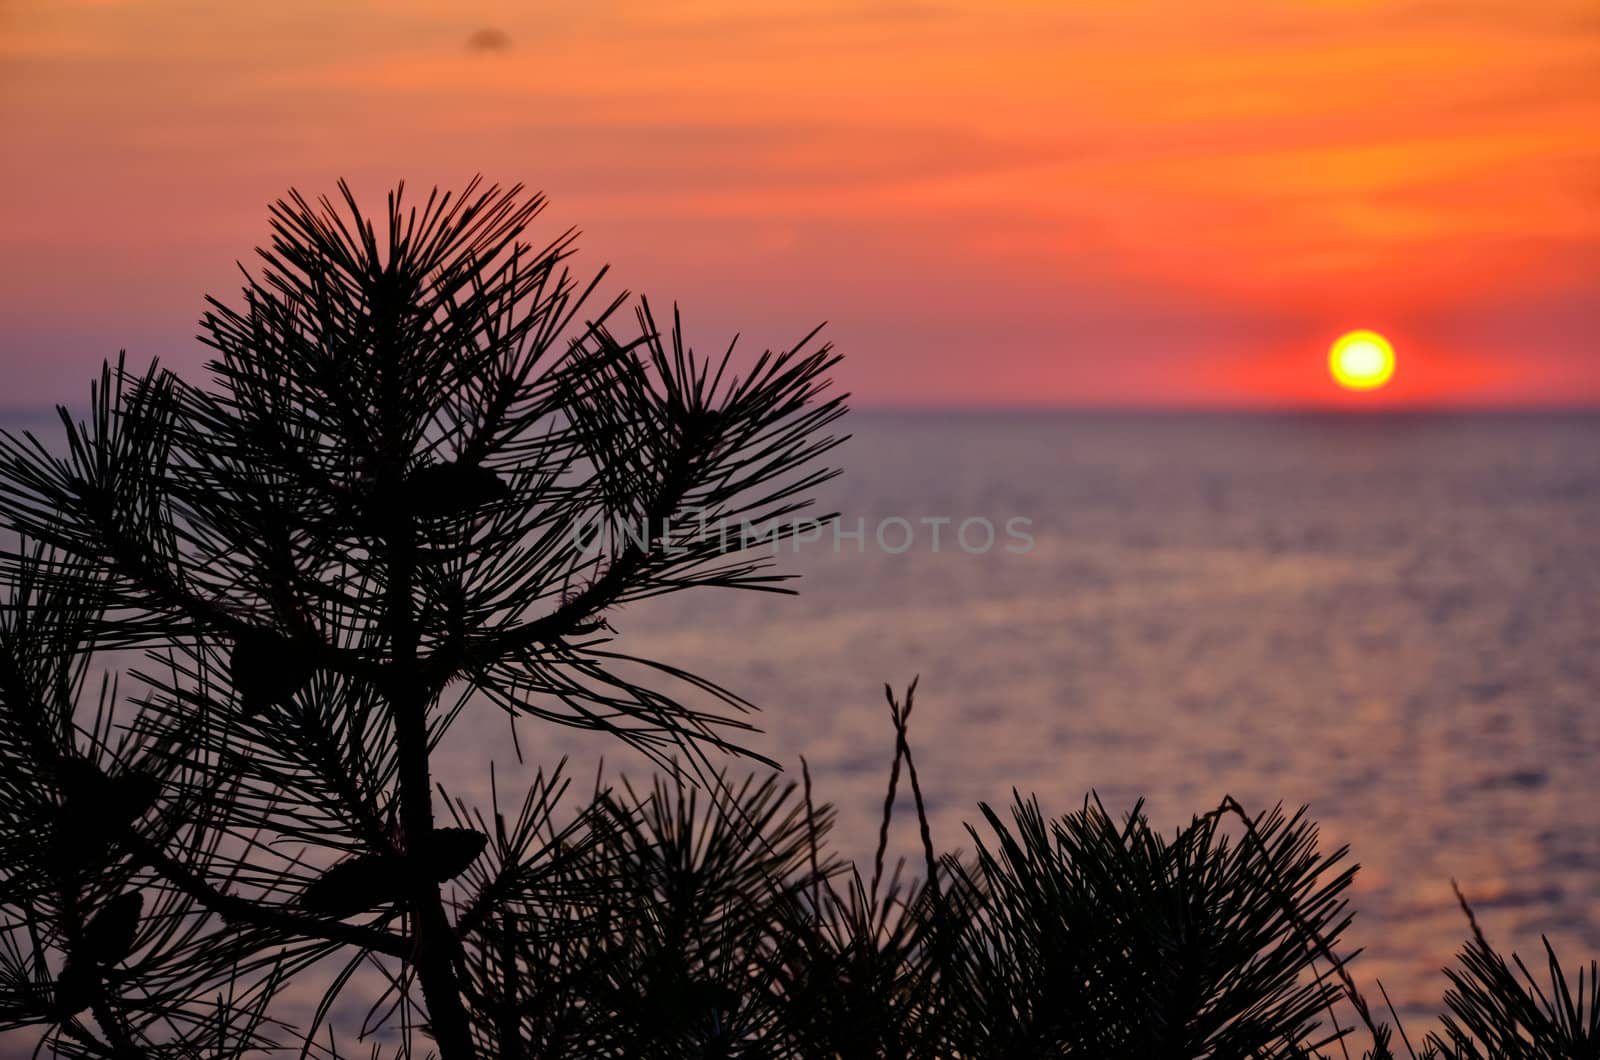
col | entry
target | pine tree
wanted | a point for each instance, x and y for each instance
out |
(424, 475)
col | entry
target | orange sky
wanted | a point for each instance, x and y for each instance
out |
(1126, 202)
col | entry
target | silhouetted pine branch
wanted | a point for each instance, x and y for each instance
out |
(371, 519)
(1497, 1012)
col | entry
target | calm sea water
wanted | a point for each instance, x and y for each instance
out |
(1394, 620)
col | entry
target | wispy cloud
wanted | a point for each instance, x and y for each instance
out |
(1314, 161)
(489, 39)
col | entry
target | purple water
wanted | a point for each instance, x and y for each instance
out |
(1392, 619)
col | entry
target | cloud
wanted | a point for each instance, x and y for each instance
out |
(489, 39)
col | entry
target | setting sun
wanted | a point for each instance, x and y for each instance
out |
(1361, 360)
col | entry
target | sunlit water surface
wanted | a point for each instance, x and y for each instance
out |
(1394, 620)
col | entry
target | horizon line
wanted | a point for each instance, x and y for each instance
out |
(1410, 408)
(1181, 409)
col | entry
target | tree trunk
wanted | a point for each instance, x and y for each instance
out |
(435, 958)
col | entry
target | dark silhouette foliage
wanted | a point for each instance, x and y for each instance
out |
(423, 479)
(1496, 1012)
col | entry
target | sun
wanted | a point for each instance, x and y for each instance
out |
(1361, 360)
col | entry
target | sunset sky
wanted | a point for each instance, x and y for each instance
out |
(1108, 203)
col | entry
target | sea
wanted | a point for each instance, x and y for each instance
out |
(1390, 619)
